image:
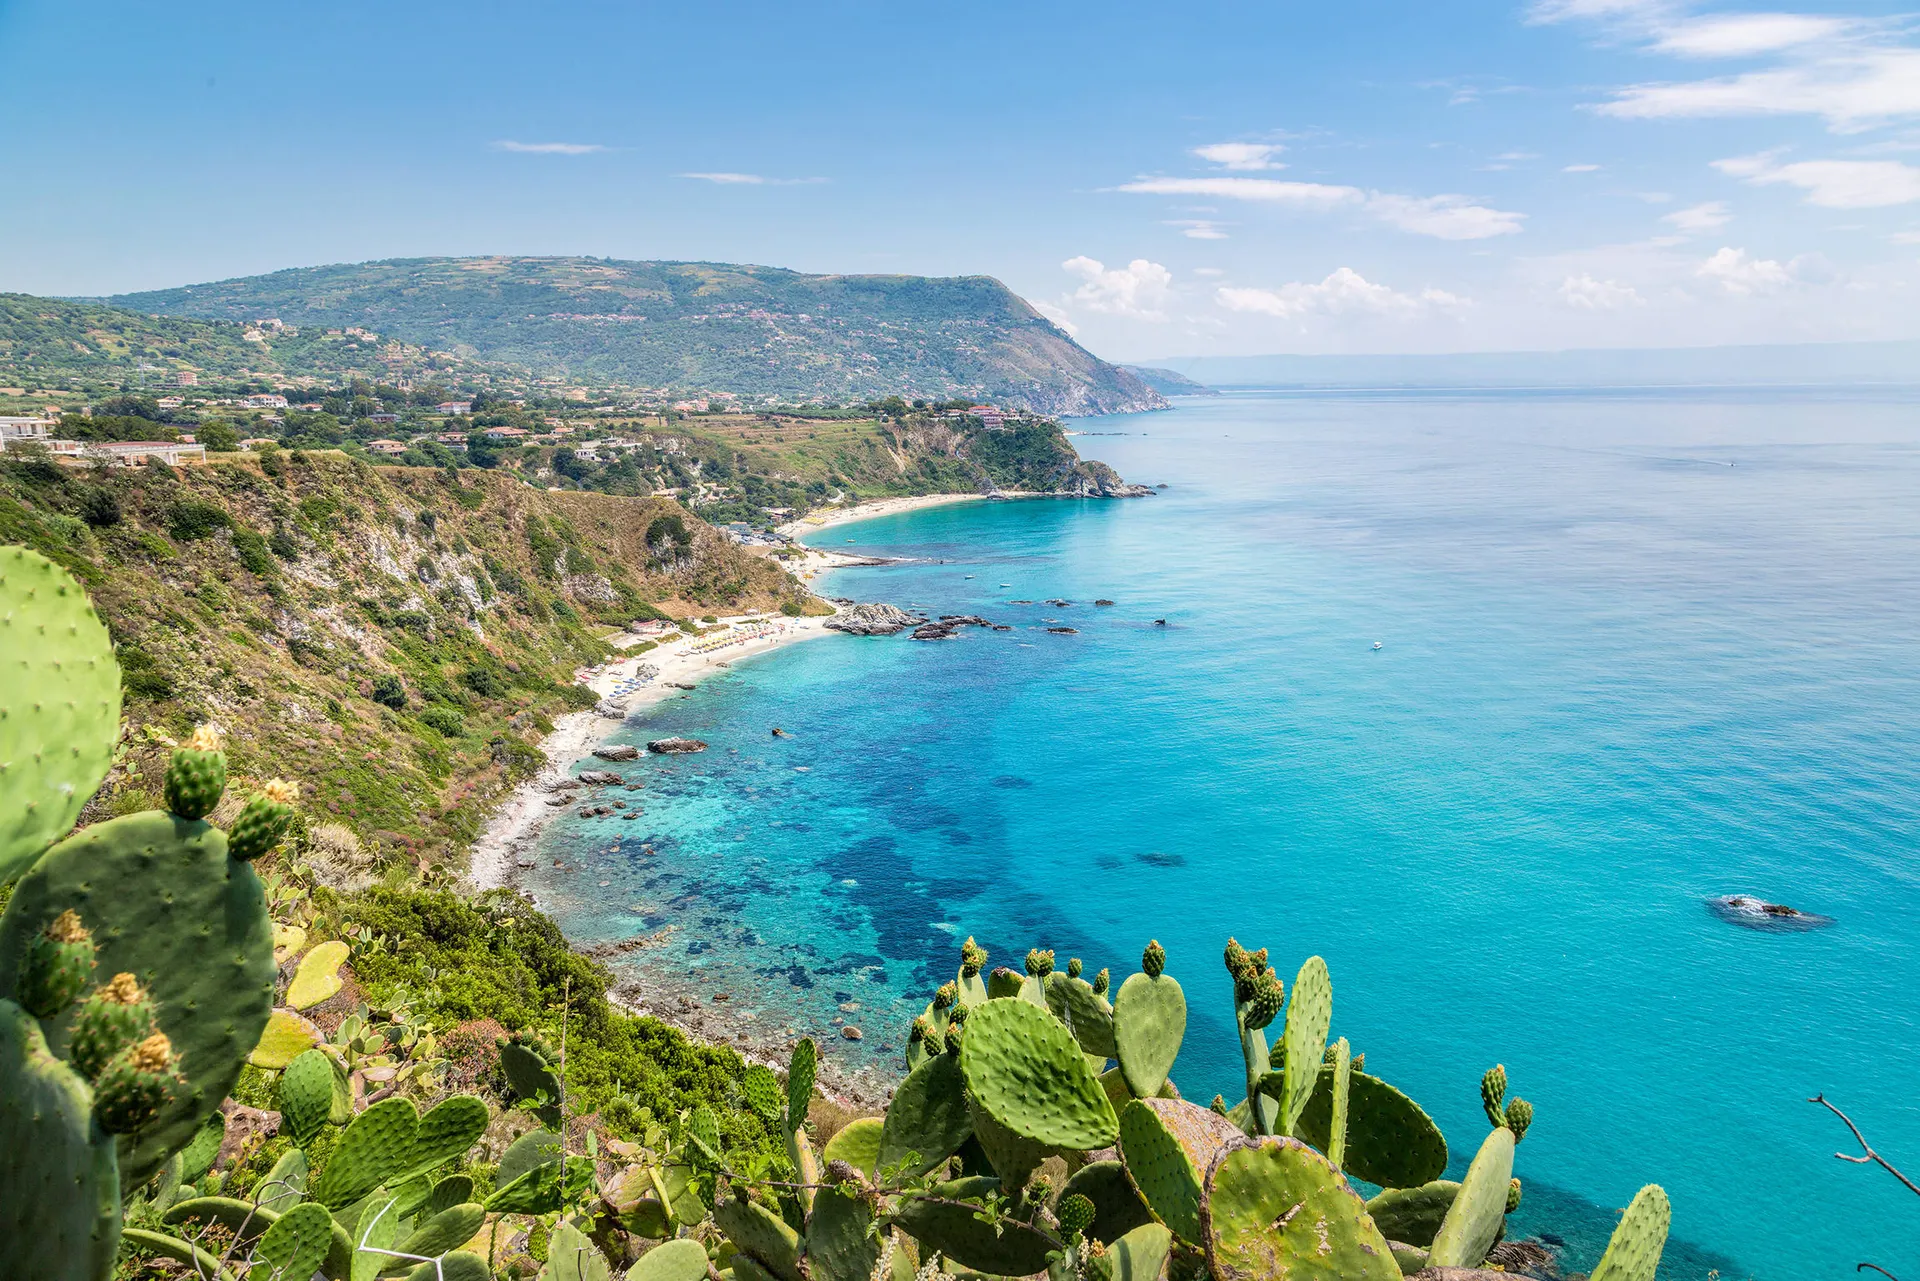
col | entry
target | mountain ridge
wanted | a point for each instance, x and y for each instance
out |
(764, 332)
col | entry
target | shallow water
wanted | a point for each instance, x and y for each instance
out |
(1637, 651)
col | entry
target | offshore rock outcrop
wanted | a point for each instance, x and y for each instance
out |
(873, 619)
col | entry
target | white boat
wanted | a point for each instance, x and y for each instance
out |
(1376, 644)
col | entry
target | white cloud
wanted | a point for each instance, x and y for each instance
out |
(1444, 217)
(1580, 169)
(1198, 228)
(1344, 292)
(1851, 87)
(1447, 217)
(1833, 184)
(1138, 289)
(1057, 315)
(1906, 237)
(1241, 155)
(1742, 35)
(1697, 219)
(751, 180)
(1565, 10)
(1312, 195)
(1208, 271)
(550, 148)
(1584, 293)
(1741, 275)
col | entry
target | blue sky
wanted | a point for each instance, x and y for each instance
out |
(1161, 179)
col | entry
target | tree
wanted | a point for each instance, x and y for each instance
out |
(218, 436)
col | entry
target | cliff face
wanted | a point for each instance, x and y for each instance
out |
(394, 639)
(755, 331)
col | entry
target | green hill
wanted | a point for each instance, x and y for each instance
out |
(754, 331)
(44, 340)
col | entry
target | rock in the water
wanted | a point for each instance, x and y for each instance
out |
(1064, 631)
(679, 685)
(1758, 914)
(564, 784)
(598, 777)
(676, 746)
(851, 1032)
(875, 619)
(1103, 602)
(621, 752)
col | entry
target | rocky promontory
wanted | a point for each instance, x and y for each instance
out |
(873, 619)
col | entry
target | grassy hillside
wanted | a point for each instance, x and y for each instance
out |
(755, 331)
(395, 639)
(48, 340)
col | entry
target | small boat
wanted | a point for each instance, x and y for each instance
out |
(1006, 584)
(1376, 644)
(969, 575)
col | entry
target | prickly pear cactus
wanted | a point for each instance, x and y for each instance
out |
(973, 959)
(1633, 1252)
(1149, 1021)
(1413, 1215)
(166, 904)
(950, 1219)
(305, 1095)
(59, 1183)
(681, 1260)
(1475, 1218)
(928, 1116)
(840, 1243)
(1276, 1210)
(859, 1142)
(59, 705)
(1309, 1015)
(531, 1073)
(760, 1234)
(1025, 1071)
(1391, 1141)
(1087, 1015)
(1167, 1146)
(1117, 1208)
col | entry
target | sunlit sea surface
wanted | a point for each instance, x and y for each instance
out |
(1636, 650)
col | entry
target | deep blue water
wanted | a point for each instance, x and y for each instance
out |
(1637, 650)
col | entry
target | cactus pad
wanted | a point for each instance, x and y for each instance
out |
(1149, 1020)
(1140, 1254)
(944, 1220)
(295, 1246)
(857, 1143)
(760, 1234)
(530, 1076)
(168, 906)
(928, 1115)
(59, 705)
(801, 1067)
(1003, 982)
(1168, 1145)
(1277, 1211)
(681, 1260)
(458, 1266)
(286, 1038)
(1309, 1015)
(439, 1233)
(370, 1149)
(1026, 1071)
(1390, 1140)
(1477, 1214)
(1117, 1208)
(318, 977)
(306, 1095)
(839, 1245)
(59, 1188)
(761, 1089)
(1633, 1252)
(1090, 1019)
(1413, 1215)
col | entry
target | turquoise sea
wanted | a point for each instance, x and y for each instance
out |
(1637, 649)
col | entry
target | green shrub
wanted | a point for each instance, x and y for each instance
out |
(253, 553)
(189, 519)
(444, 721)
(389, 691)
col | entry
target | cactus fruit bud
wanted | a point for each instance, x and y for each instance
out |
(945, 996)
(973, 958)
(116, 1016)
(133, 1087)
(920, 1030)
(1236, 958)
(1098, 1264)
(264, 821)
(1074, 967)
(1268, 995)
(1359, 1063)
(1519, 1117)
(196, 775)
(1154, 959)
(1102, 981)
(58, 964)
(1219, 1105)
(953, 1038)
(1075, 1214)
(959, 1015)
(1493, 1089)
(1513, 1192)
(1039, 963)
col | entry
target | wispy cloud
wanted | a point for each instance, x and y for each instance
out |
(1344, 292)
(549, 148)
(1447, 217)
(1580, 169)
(1699, 219)
(1833, 184)
(1198, 228)
(1584, 293)
(1241, 155)
(751, 180)
(1742, 35)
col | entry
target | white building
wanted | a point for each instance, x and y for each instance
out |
(20, 431)
(138, 453)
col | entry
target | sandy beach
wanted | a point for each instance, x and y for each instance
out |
(517, 823)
